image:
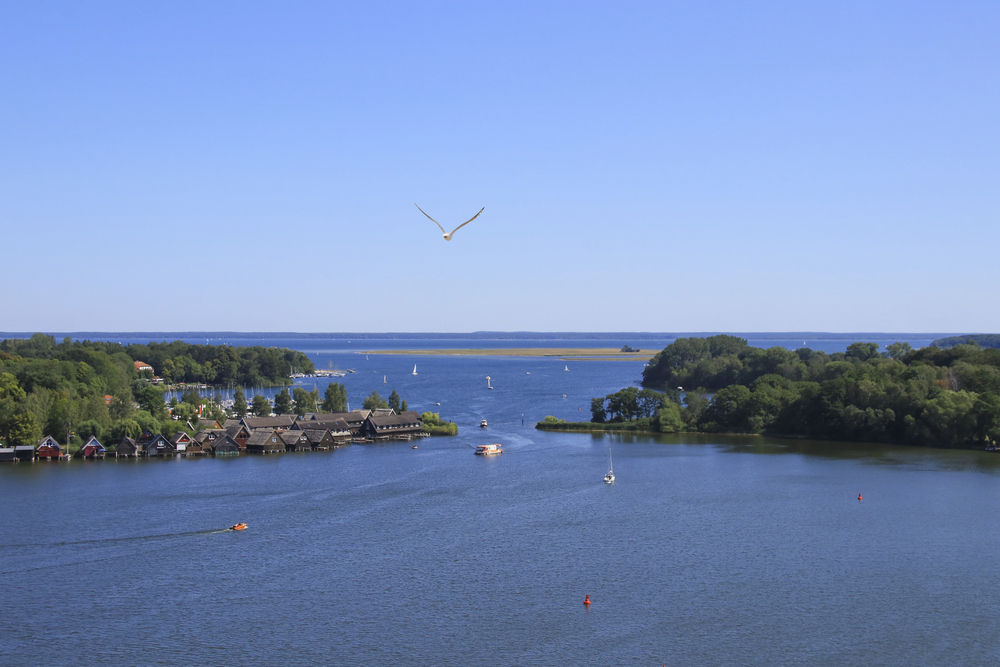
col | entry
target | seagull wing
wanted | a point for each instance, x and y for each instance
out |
(432, 219)
(466, 222)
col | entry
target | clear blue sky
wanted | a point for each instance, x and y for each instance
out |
(644, 166)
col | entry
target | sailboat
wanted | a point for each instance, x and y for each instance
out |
(414, 370)
(488, 385)
(566, 369)
(383, 380)
(610, 477)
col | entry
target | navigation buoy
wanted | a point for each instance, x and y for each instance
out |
(586, 600)
(859, 497)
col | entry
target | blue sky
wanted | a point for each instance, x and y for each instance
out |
(657, 166)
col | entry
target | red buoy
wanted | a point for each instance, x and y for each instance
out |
(859, 496)
(586, 600)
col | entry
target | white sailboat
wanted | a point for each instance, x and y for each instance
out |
(488, 385)
(610, 477)
(566, 369)
(414, 370)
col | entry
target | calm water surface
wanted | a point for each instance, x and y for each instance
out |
(706, 551)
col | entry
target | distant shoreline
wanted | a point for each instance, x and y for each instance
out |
(574, 353)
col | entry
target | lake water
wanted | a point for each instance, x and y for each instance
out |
(707, 550)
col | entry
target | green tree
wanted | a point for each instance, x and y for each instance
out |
(598, 414)
(88, 428)
(305, 401)
(669, 418)
(150, 399)
(394, 402)
(897, 351)
(403, 407)
(374, 401)
(283, 402)
(23, 429)
(240, 404)
(335, 399)
(261, 407)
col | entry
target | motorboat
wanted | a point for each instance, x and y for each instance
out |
(483, 424)
(488, 450)
(238, 526)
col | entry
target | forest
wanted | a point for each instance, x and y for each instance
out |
(75, 389)
(931, 396)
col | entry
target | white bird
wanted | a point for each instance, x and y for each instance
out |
(447, 236)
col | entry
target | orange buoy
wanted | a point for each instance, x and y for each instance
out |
(586, 600)
(859, 496)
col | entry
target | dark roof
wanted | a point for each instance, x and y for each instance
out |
(260, 437)
(337, 425)
(394, 421)
(317, 435)
(232, 422)
(177, 437)
(203, 434)
(383, 412)
(293, 437)
(282, 421)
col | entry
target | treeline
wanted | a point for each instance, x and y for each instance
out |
(75, 389)
(176, 361)
(940, 397)
(982, 340)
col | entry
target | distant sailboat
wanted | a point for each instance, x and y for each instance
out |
(488, 385)
(566, 369)
(414, 370)
(383, 380)
(610, 477)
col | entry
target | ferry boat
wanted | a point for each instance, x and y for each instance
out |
(488, 450)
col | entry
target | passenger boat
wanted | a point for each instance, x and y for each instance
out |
(238, 526)
(488, 450)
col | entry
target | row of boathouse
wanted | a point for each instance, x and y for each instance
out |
(251, 435)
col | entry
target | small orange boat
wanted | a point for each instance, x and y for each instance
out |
(239, 526)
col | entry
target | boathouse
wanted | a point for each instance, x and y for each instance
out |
(295, 441)
(265, 441)
(280, 423)
(7, 455)
(320, 439)
(127, 448)
(24, 452)
(48, 448)
(93, 449)
(239, 433)
(158, 447)
(180, 441)
(395, 427)
(222, 446)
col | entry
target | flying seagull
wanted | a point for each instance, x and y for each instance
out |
(447, 236)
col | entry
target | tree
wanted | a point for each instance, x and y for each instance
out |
(150, 399)
(598, 414)
(403, 407)
(86, 429)
(283, 402)
(897, 351)
(394, 402)
(862, 351)
(669, 418)
(24, 429)
(374, 401)
(305, 401)
(240, 404)
(335, 399)
(260, 407)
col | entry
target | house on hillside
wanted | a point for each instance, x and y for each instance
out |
(141, 366)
